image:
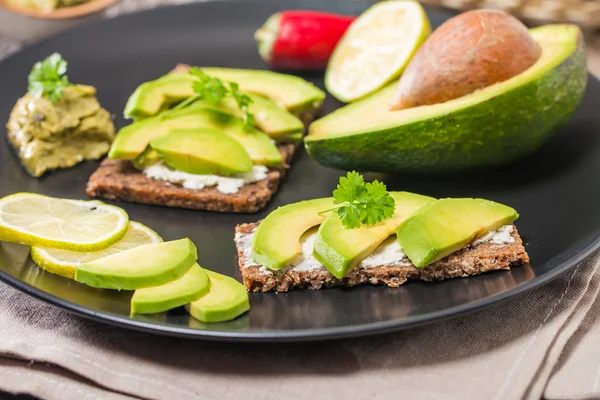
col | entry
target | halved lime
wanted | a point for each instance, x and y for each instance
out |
(376, 48)
(65, 262)
(76, 225)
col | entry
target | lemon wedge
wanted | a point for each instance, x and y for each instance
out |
(75, 225)
(65, 262)
(376, 48)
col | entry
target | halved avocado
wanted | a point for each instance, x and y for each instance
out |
(191, 286)
(445, 226)
(341, 249)
(133, 139)
(292, 93)
(489, 127)
(277, 239)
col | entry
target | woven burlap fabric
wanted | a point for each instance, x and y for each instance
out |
(544, 343)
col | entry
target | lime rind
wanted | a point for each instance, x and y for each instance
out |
(62, 262)
(19, 234)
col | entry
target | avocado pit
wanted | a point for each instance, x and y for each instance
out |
(471, 51)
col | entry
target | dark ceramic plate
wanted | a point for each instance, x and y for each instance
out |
(555, 190)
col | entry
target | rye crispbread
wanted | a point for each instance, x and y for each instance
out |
(118, 180)
(472, 260)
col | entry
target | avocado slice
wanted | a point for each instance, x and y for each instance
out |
(141, 267)
(448, 225)
(191, 286)
(341, 249)
(202, 151)
(277, 240)
(489, 127)
(289, 92)
(227, 299)
(151, 98)
(132, 140)
(147, 158)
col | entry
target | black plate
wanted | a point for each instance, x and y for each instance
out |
(555, 190)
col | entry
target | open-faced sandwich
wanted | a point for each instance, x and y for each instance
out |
(216, 139)
(368, 235)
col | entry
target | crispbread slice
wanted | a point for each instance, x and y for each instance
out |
(472, 260)
(119, 180)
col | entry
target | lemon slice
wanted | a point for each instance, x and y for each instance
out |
(65, 262)
(376, 48)
(76, 225)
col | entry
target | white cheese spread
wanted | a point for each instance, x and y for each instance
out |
(499, 237)
(388, 253)
(225, 184)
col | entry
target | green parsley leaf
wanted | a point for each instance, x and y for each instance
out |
(360, 202)
(213, 90)
(47, 78)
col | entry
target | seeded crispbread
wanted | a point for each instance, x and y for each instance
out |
(472, 260)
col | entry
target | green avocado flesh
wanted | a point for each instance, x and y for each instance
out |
(202, 151)
(144, 266)
(147, 158)
(153, 97)
(132, 140)
(191, 286)
(489, 127)
(289, 92)
(277, 239)
(341, 249)
(448, 225)
(226, 299)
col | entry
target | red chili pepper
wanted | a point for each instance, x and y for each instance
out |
(300, 39)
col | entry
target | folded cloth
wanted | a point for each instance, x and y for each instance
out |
(49, 382)
(542, 344)
(508, 351)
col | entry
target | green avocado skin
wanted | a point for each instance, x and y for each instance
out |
(495, 132)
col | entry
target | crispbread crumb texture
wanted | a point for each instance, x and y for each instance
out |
(472, 260)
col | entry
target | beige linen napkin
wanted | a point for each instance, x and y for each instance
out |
(544, 343)
(506, 352)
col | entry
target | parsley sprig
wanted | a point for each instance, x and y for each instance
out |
(213, 90)
(47, 78)
(359, 202)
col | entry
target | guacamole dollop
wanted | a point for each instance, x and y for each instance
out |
(50, 135)
(46, 5)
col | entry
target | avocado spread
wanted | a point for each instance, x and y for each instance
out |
(46, 5)
(50, 135)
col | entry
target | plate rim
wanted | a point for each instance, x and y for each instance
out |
(304, 335)
(301, 335)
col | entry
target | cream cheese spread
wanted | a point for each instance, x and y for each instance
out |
(225, 184)
(389, 251)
